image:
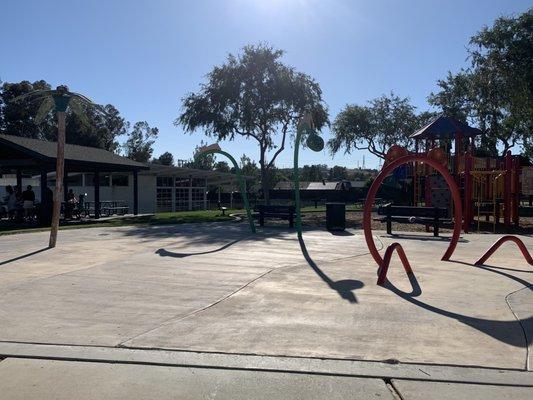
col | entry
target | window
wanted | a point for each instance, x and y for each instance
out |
(120, 180)
(198, 182)
(182, 199)
(164, 200)
(164, 181)
(75, 180)
(104, 179)
(182, 181)
(198, 198)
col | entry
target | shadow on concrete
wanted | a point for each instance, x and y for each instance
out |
(343, 287)
(423, 238)
(215, 233)
(342, 233)
(504, 331)
(416, 290)
(166, 253)
(24, 256)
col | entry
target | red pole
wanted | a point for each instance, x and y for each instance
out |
(517, 191)
(468, 193)
(458, 151)
(507, 190)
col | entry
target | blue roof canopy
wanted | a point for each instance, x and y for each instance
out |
(445, 128)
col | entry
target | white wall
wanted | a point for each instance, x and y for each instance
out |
(147, 193)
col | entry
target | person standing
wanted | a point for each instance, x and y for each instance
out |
(11, 200)
(28, 202)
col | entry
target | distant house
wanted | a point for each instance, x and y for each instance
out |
(324, 185)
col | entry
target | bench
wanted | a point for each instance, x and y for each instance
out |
(281, 212)
(221, 208)
(417, 215)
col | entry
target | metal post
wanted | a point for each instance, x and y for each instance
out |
(135, 192)
(65, 187)
(205, 194)
(97, 194)
(507, 191)
(190, 193)
(19, 180)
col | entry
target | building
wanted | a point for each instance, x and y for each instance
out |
(103, 176)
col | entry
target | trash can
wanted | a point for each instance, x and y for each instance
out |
(336, 216)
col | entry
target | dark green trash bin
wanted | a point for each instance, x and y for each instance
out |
(336, 216)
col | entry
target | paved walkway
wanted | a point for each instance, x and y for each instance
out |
(214, 288)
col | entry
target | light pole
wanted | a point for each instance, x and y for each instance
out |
(315, 143)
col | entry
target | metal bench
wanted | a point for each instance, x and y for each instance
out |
(414, 215)
(280, 212)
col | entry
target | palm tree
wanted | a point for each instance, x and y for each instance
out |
(59, 100)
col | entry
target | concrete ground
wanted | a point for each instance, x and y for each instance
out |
(206, 290)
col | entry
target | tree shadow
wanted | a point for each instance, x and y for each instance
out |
(343, 287)
(24, 256)
(500, 330)
(166, 253)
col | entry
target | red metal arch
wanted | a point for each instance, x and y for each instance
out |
(387, 169)
(502, 240)
(386, 262)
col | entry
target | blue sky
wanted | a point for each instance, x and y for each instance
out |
(144, 56)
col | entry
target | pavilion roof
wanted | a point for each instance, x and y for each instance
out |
(44, 152)
(445, 128)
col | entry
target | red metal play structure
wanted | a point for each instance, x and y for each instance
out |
(496, 246)
(389, 167)
(469, 185)
(382, 273)
(490, 187)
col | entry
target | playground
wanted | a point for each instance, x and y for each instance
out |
(393, 315)
(216, 289)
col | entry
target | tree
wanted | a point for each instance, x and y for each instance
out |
(164, 159)
(255, 96)
(338, 173)
(496, 91)
(59, 101)
(222, 166)
(206, 162)
(18, 117)
(311, 173)
(138, 145)
(387, 120)
(89, 127)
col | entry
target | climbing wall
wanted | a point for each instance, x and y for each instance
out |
(440, 193)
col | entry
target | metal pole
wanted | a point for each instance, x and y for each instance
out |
(240, 179)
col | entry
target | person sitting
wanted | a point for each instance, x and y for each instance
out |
(28, 202)
(70, 207)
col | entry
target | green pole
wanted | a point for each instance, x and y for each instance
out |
(240, 179)
(296, 175)
(315, 143)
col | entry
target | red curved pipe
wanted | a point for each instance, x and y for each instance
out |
(502, 240)
(386, 262)
(387, 169)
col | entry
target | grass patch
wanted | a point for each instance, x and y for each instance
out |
(180, 217)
